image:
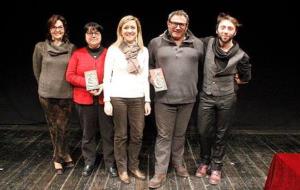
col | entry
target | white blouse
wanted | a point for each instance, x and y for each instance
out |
(118, 82)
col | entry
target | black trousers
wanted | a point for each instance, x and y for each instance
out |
(215, 115)
(91, 117)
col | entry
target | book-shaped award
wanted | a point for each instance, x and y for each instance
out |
(91, 80)
(157, 79)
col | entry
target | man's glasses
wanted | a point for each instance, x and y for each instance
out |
(93, 33)
(175, 24)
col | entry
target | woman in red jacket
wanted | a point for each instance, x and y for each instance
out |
(85, 73)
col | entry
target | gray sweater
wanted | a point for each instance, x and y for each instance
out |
(179, 65)
(49, 67)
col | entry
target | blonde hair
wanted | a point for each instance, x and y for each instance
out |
(123, 21)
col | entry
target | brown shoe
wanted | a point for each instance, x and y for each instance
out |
(215, 177)
(181, 171)
(124, 177)
(157, 181)
(202, 170)
(138, 174)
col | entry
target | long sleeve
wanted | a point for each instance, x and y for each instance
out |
(37, 58)
(71, 73)
(108, 65)
(244, 69)
(151, 55)
(145, 75)
(118, 82)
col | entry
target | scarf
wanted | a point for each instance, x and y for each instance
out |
(224, 55)
(131, 52)
(221, 56)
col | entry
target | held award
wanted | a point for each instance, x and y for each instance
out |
(91, 80)
(157, 79)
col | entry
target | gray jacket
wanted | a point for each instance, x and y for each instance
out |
(49, 67)
(179, 65)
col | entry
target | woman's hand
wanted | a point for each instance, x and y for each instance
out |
(147, 108)
(108, 108)
(97, 92)
(94, 92)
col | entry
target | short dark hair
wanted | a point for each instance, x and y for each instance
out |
(224, 16)
(92, 26)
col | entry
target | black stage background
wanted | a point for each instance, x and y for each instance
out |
(269, 35)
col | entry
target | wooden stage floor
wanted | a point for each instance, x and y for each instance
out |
(25, 161)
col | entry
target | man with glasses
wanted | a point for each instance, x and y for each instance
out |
(177, 52)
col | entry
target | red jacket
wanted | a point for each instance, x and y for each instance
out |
(82, 61)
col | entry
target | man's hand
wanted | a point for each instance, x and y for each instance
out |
(238, 80)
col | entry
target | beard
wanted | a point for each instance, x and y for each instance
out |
(225, 40)
(177, 36)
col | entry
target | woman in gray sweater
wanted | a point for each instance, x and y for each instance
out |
(50, 60)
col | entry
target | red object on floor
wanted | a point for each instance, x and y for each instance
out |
(284, 172)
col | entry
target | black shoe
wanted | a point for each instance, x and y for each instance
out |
(112, 171)
(87, 170)
(69, 164)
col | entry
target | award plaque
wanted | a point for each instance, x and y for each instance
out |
(157, 79)
(91, 80)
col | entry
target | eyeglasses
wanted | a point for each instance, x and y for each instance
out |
(57, 27)
(93, 33)
(175, 24)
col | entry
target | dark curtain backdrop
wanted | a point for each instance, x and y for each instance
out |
(268, 35)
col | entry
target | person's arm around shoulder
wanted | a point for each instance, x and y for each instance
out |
(205, 40)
